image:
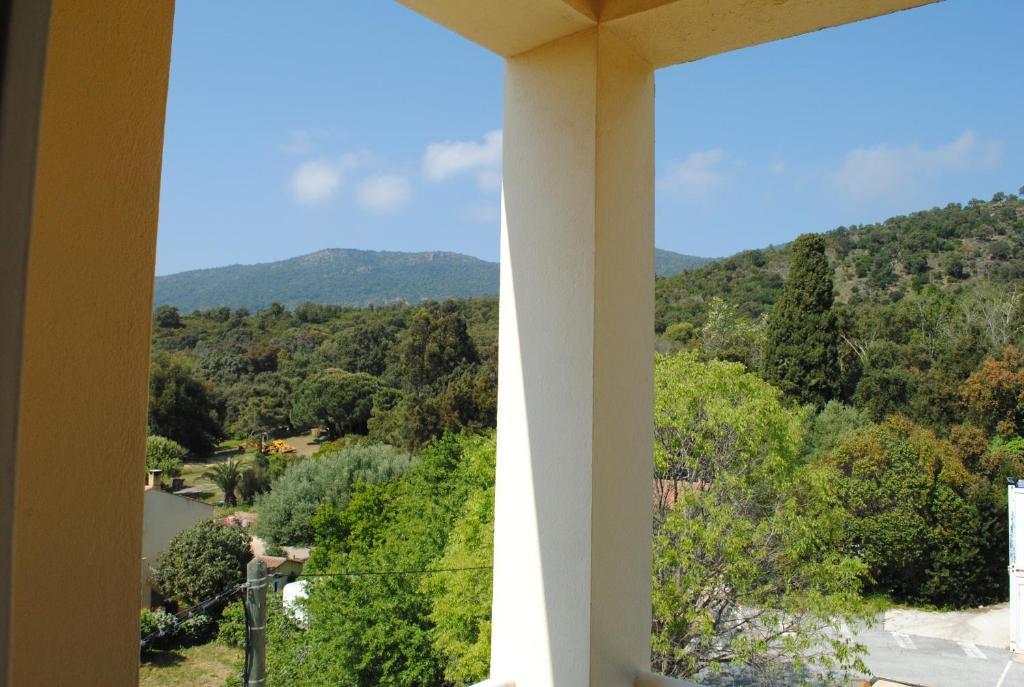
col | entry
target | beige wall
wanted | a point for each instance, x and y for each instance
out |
(84, 347)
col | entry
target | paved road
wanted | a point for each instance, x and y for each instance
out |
(938, 662)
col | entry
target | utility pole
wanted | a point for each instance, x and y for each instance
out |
(256, 630)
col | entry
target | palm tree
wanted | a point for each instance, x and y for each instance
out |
(227, 476)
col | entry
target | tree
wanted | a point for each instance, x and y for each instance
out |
(399, 630)
(362, 347)
(227, 476)
(747, 569)
(285, 513)
(801, 350)
(165, 455)
(436, 344)
(167, 317)
(181, 407)
(912, 518)
(461, 599)
(834, 423)
(340, 400)
(203, 561)
(728, 335)
(994, 393)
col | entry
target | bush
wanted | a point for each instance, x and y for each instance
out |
(203, 561)
(231, 630)
(156, 621)
(165, 455)
(284, 514)
(255, 481)
(197, 629)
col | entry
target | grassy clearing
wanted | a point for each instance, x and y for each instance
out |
(208, 665)
(192, 471)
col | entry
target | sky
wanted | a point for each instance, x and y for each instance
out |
(294, 127)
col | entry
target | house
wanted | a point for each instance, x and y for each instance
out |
(164, 515)
(82, 110)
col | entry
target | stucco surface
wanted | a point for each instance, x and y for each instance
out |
(572, 551)
(663, 32)
(85, 354)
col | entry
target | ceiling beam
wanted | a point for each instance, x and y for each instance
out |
(667, 32)
(664, 32)
(508, 27)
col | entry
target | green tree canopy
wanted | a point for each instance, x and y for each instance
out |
(165, 455)
(167, 316)
(912, 517)
(801, 350)
(401, 630)
(203, 561)
(363, 347)
(747, 571)
(286, 512)
(181, 407)
(340, 400)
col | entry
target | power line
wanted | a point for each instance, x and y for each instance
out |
(181, 616)
(382, 573)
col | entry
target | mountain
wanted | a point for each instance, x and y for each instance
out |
(350, 277)
(336, 276)
(945, 248)
(668, 264)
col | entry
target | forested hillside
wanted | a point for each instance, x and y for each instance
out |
(335, 276)
(920, 301)
(954, 246)
(352, 277)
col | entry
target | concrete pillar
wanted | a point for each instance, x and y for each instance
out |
(572, 580)
(74, 357)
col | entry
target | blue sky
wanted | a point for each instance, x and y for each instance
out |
(293, 127)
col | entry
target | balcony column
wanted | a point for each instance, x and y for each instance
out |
(572, 580)
(82, 113)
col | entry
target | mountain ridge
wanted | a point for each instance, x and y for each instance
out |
(351, 277)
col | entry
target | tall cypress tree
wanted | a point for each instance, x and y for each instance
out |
(801, 349)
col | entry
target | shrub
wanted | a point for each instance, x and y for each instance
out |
(196, 629)
(203, 561)
(156, 621)
(284, 514)
(165, 455)
(231, 628)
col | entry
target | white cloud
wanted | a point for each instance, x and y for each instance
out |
(449, 158)
(384, 193)
(315, 180)
(887, 171)
(697, 177)
(779, 168)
